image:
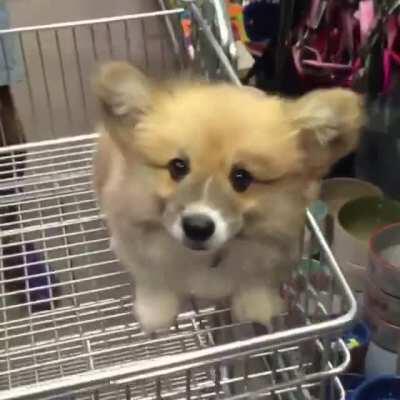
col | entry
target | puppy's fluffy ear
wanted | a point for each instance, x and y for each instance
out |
(327, 124)
(124, 94)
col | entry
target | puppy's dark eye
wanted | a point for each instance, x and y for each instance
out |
(178, 168)
(240, 179)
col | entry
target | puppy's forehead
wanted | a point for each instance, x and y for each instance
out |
(221, 115)
(217, 126)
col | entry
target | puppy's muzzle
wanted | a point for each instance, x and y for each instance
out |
(198, 227)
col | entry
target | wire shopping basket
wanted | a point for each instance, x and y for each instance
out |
(66, 326)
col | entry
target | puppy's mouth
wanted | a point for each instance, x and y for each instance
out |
(216, 254)
(197, 246)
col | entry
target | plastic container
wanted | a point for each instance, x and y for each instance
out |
(383, 387)
(350, 383)
(379, 361)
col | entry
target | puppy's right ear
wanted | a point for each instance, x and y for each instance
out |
(124, 94)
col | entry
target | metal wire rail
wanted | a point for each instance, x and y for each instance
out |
(72, 329)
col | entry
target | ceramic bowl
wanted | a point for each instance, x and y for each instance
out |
(336, 192)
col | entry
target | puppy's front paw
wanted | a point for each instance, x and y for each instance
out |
(257, 304)
(156, 310)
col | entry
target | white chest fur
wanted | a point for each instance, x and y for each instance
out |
(166, 273)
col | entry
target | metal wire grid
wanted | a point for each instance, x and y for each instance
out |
(74, 329)
(54, 96)
(84, 323)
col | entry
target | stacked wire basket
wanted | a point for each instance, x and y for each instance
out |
(81, 341)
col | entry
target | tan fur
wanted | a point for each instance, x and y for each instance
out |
(286, 145)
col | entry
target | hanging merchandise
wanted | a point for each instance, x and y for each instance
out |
(327, 42)
(261, 20)
(269, 25)
(186, 26)
(235, 12)
(323, 43)
(330, 43)
(379, 56)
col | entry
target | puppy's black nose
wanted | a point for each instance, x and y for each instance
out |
(198, 227)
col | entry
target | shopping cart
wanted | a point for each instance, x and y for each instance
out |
(66, 326)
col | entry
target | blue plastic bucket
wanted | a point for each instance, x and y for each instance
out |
(384, 387)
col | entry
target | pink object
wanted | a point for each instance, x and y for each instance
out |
(367, 19)
(390, 55)
(326, 53)
(317, 10)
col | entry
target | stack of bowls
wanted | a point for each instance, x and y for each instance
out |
(346, 213)
(364, 235)
(356, 222)
(382, 296)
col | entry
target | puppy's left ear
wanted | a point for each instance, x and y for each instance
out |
(327, 125)
(124, 94)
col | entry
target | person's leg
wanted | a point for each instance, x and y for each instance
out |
(11, 133)
(11, 129)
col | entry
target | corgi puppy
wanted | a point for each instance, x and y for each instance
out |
(204, 186)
